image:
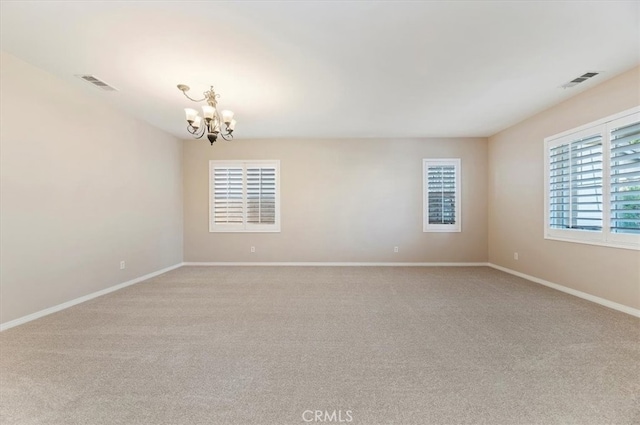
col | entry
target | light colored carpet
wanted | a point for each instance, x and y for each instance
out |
(260, 345)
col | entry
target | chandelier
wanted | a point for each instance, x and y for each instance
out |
(212, 119)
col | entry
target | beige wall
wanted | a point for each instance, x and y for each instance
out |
(87, 186)
(348, 200)
(516, 200)
(82, 187)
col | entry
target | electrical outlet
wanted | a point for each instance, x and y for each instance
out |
(395, 249)
(253, 249)
(516, 256)
(122, 265)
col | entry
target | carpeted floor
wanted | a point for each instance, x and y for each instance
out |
(377, 345)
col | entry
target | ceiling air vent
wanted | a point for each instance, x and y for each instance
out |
(584, 77)
(97, 82)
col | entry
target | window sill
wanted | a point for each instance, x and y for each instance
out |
(244, 231)
(620, 245)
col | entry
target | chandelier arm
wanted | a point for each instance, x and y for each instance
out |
(190, 98)
(229, 138)
(196, 133)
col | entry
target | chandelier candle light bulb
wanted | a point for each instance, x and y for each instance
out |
(227, 116)
(197, 123)
(208, 113)
(212, 119)
(191, 114)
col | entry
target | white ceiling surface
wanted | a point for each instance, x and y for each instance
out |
(331, 69)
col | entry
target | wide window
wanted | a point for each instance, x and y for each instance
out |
(244, 196)
(441, 202)
(592, 183)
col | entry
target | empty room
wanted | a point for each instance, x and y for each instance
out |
(303, 212)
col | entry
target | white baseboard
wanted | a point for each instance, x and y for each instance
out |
(56, 308)
(333, 264)
(602, 301)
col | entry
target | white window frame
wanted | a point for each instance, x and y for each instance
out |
(604, 237)
(426, 226)
(244, 227)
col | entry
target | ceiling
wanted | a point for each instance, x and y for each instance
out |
(333, 68)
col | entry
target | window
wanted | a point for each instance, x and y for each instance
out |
(592, 183)
(244, 196)
(441, 202)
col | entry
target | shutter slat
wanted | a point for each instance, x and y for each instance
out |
(629, 147)
(626, 156)
(631, 165)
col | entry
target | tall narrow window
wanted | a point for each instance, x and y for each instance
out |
(441, 202)
(244, 196)
(592, 182)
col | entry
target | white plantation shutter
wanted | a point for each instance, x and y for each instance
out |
(261, 195)
(592, 183)
(244, 196)
(441, 195)
(559, 187)
(625, 176)
(227, 197)
(441, 183)
(575, 184)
